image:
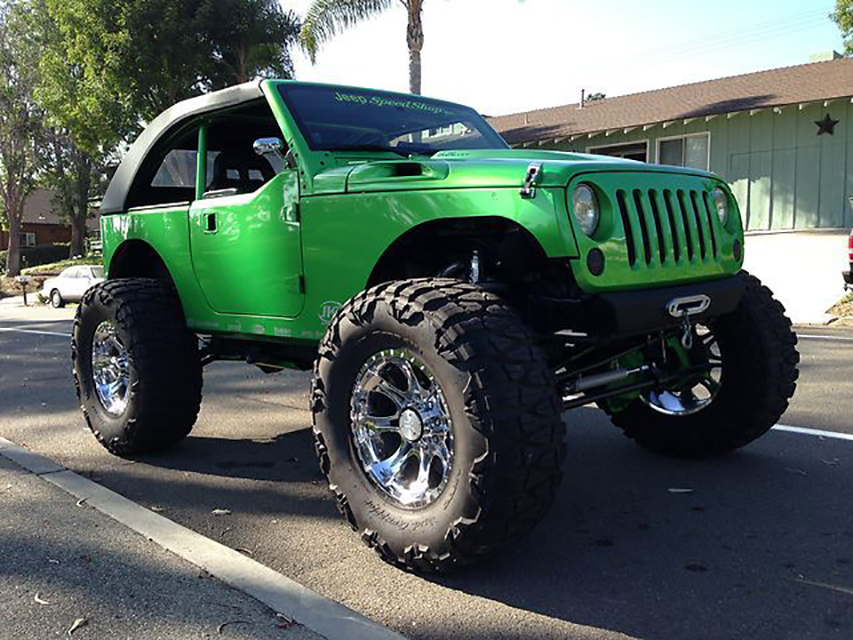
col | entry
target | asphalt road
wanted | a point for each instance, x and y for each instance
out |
(762, 548)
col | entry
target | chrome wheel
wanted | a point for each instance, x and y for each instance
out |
(402, 428)
(110, 369)
(695, 392)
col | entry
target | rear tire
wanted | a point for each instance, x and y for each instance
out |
(759, 374)
(148, 389)
(507, 445)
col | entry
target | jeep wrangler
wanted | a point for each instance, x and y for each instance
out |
(453, 296)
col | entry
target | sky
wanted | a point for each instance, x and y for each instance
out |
(506, 56)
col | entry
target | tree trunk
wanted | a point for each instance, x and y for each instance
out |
(13, 257)
(415, 40)
(80, 204)
(78, 235)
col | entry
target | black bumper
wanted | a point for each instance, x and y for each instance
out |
(633, 312)
(848, 278)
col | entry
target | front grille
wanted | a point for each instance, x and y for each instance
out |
(669, 226)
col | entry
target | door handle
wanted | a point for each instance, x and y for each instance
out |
(209, 222)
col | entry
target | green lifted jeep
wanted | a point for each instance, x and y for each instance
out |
(453, 296)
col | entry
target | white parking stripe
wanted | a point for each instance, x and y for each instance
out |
(325, 617)
(34, 332)
(805, 336)
(814, 432)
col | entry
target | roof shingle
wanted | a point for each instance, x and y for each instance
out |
(773, 88)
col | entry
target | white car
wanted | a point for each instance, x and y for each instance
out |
(71, 284)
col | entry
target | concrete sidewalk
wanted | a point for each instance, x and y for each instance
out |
(803, 269)
(63, 562)
(12, 309)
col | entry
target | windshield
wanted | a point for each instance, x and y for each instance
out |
(339, 119)
(98, 271)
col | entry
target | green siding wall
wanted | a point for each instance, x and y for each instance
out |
(783, 174)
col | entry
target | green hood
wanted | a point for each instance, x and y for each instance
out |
(496, 168)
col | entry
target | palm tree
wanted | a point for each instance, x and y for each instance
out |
(326, 18)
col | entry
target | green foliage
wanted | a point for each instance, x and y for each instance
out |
(843, 17)
(327, 18)
(248, 39)
(55, 267)
(21, 121)
(596, 97)
(115, 64)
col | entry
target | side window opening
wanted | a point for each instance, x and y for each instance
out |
(232, 163)
(178, 170)
(167, 176)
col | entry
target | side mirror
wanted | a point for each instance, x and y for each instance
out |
(267, 146)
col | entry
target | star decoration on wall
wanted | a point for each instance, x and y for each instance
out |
(827, 125)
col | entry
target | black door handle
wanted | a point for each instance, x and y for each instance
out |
(210, 223)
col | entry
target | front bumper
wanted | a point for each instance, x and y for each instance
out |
(629, 313)
(848, 278)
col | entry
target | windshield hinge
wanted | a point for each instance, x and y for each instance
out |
(528, 191)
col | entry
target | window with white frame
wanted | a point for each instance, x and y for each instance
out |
(28, 239)
(629, 150)
(686, 151)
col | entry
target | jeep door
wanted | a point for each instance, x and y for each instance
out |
(244, 228)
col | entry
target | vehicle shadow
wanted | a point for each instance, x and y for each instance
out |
(758, 544)
(288, 457)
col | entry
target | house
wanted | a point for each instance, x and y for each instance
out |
(41, 225)
(783, 138)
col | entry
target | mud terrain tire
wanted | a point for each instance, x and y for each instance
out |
(507, 434)
(760, 360)
(162, 363)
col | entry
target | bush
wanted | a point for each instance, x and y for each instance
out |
(43, 254)
(53, 268)
(35, 256)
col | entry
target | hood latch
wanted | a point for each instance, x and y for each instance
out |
(528, 191)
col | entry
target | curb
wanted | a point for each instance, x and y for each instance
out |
(316, 613)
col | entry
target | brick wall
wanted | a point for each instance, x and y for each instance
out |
(45, 234)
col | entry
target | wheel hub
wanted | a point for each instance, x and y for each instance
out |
(401, 428)
(695, 393)
(411, 425)
(110, 369)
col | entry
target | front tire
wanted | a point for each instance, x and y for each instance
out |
(56, 299)
(493, 439)
(136, 366)
(759, 372)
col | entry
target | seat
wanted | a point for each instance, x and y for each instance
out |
(244, 171)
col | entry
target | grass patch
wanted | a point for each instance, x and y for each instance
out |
(55, 267)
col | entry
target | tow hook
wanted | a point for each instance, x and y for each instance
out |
(685, 307)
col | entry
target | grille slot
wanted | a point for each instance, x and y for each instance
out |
(626, 224)
(644, 226)
(671, 226)
(679, 240)
(700, 224)
(710, 212)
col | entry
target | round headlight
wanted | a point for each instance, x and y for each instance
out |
(585, 208)
(721, 204)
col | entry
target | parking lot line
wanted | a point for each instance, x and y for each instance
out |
(814, 432)
(34, 332)
(322, 615)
